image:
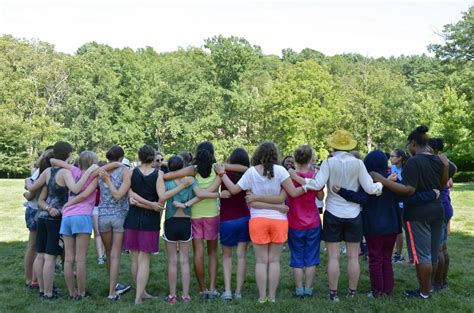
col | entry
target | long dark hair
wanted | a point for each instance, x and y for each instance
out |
(267, 155)
(239, 156)
(204, 159)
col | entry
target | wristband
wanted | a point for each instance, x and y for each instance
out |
(186, 205)
(221, 174)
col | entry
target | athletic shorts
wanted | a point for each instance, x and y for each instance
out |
(264, 231)
(337, 229)
(111, 223)
(232, 232)
(178, 229)
(77, 224)
(30, 219)
(444, 234)
(304, 247)
(423, 240)
(48, 239)
(206, 228)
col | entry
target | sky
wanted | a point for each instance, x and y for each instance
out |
(371, 28)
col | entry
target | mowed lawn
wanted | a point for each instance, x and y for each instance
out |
(14, 297)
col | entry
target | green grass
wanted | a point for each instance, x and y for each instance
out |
(16, 298)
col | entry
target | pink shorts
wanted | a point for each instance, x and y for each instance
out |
(141, 240)
(206, 228)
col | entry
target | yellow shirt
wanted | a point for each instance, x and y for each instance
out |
(206, 207)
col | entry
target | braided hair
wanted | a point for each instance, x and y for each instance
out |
(267, 155)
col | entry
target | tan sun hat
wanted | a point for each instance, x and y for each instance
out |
(342, 140)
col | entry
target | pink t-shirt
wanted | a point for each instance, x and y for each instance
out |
(303, 213)
(84, 207)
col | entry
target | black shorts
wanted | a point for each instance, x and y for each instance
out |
(48, 239)
(336, 229)
(178, 229)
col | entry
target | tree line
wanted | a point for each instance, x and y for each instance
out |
(229, 92)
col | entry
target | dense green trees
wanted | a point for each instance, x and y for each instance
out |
(229, 92)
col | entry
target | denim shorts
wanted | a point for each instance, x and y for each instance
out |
(30, 219)
(78, 224)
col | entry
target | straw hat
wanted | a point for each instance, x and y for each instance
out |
(342, 140)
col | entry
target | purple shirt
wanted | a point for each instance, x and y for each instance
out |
(446, 201)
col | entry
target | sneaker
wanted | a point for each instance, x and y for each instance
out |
(171, 299)
(204, 294)
(333, 297)
(213, 294)
(101, 260)
(397, 258)
(351, 294)
(52, 297)
(121, 289)
(308, 292)
(115, 297)
(186, 299)
(226, 295)
(416, 294)
(262, 301)
(237, 296)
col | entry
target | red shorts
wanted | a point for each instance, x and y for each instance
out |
(266, 230)
(206, 228)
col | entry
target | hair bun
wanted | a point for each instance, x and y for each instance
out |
(422, 129)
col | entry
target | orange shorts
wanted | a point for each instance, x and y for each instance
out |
(265, 230)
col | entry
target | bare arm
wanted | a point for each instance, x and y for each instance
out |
(187, 171)
(295, 177)
(124, 187)
(204, 194)
(141, 202)
(320, 195)
(274, 199)
(236, 168)
(71, 183)
(60, 163)
(164, 194)
(92, 187)
(37, 184)
(42, 198)
(282, 208)
(233, 188)
(29, 195)
(107, 167)
(290, 188)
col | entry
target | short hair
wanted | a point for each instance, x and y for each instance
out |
(146, 154)
(175, 163)
(86, 159)
(303, 154)
(61, 150)
(115, 153)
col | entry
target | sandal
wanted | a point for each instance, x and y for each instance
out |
(186, 299)
(171, 299)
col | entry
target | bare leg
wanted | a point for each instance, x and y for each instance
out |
(198, 247)
(261, 268)
(70, 253)
(48, 274)
(274, 253)
(241, 265)
(310, 273)
(38, 268)
(184, 262)
(99, 245)
(353, 267)
(399, 244)
(227, 266)
(298, 277)
(212, 260)
(142, 275)
(30, 255)
(82, 243)
(333, 264)
(114, 260)
(423, 272)
(172, 266)
(107, 238)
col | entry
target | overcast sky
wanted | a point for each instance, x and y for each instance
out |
(373, 28)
